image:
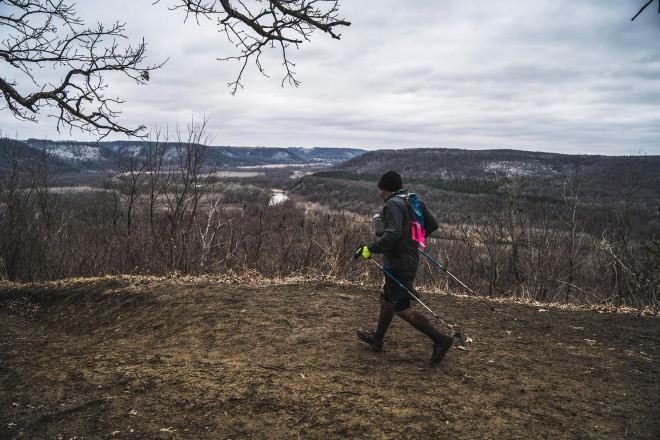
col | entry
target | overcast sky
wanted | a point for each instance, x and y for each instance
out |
(558, 76)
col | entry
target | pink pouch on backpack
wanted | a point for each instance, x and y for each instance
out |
(417, 234)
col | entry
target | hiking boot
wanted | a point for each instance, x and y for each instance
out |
(440, 349)
(369, 338)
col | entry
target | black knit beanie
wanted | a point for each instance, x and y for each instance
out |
(390, 181)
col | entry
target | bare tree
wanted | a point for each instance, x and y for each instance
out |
(49, 33)
(34, 225)
(15, 199)
(255, 25)
(488, 235)
(127, 193)
(45, 33)
(189, 176)
(635, 259)
(572, 198)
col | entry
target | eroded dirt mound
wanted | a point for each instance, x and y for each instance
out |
(140, 358)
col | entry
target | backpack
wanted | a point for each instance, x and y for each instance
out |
(418, 231)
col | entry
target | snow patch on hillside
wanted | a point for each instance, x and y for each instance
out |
(75, 152)
(281, 155)
(516, 168)
(131, 150)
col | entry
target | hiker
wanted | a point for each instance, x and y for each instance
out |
(399, 239)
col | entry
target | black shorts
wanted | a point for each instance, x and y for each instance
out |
(394, 293)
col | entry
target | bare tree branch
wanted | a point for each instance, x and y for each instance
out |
(255, 25)
(46, 33)
(644, 7)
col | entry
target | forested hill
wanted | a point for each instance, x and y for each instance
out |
(71, 156)
(490, 164)
(488, 170)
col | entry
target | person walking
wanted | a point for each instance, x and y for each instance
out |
(398, 232)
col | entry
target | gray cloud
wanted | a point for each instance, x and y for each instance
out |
(550, 76)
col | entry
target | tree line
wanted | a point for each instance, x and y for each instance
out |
(165, 211)
(567, 246)
(466, 185)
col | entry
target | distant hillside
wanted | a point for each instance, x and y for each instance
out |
(70, 156)
(490, 170)
(446, 163)
(327, 155)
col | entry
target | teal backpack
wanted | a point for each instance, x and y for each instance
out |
(418, 231)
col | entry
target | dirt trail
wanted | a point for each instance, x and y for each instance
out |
(139, 358)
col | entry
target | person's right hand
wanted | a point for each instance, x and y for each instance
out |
(363, 251)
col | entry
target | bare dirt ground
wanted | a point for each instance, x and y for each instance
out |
(141, 358)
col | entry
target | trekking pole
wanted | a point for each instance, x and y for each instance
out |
(455, 333)
(492, 309)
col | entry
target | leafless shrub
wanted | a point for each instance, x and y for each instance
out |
(165, 213)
